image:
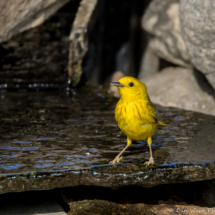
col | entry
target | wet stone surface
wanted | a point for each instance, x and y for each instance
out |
(58, 139)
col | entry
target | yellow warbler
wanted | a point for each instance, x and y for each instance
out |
(135, 114)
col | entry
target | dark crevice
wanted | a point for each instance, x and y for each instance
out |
(196, 193)
(116, 40)
(165, 64)
(33, 199)
(203, 83)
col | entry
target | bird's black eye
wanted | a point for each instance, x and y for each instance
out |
(131, 84)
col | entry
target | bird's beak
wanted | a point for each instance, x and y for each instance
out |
(117, 84)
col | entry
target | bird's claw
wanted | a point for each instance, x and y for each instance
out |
(116, 160)
(151, 161)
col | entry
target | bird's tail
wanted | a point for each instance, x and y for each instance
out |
(161, 123)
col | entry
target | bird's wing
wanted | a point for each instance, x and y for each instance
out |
(151, 115)
(147, 113)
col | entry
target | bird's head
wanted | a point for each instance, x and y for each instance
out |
(131, 88)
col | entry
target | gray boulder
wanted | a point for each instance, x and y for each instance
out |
(20, 15)
(182, 88)
(198, 27)
(161, 20)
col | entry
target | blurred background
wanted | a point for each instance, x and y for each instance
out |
(54, 44)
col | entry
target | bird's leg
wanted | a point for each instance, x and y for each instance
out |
(151, 160)
(118, 158)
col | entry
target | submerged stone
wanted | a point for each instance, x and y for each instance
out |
(68, 138)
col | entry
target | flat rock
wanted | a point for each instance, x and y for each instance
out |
(68, 138)
(97, 207)
(182, 88)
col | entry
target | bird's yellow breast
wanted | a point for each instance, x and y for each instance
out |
(134, 119)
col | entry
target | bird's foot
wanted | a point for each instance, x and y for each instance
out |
(151, 161)
(116, 160)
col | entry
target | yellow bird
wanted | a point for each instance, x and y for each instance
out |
(135, 114)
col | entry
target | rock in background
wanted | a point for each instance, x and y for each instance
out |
(17, 16)
(38, 57)
(161, 20)
(149, 63)
(197, 25)
(180, 87)
(181, 32)
(115, 77)
(79, 39)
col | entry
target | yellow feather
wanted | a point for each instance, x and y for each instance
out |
(161, 123)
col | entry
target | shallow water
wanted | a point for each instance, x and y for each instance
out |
(52, 132)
